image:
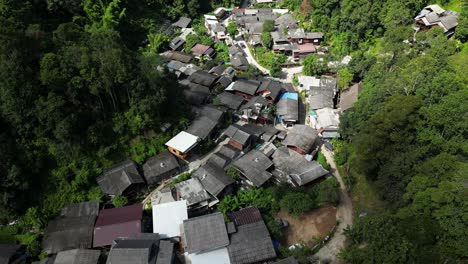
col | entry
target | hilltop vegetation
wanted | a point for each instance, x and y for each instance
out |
(407, 132)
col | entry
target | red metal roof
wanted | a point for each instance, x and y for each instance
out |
(117, 222)
(246, 216)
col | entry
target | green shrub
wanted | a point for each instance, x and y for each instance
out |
(182, 177)
(328, 192)
(340, 150)
(297, 204)
(119, 201)
(320, 158)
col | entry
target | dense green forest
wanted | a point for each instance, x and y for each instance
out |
(80, 89)
(407, 134)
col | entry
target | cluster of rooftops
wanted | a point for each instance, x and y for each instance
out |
(84, 234)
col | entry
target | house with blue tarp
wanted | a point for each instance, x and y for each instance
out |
(287, 109)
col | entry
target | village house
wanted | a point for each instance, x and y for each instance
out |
(117, 222)
(218, 31)
(302, 139)
(203, 51)
(244, 88)
(193, 193)
(286, 22)
(181, 144)
(224, 156)
(168, 218)
(214, 180)
(78, 256)
(181, 69)
(203, 78)
(230, 100)
(327, 122)
(203, 127)
(183, 22)
(303, 50)
(121, 179)
(254, 167)
(72, 229)
(256, 111)
(250, 240)
(141, 248)
(160, 167)
(349, 96)
(270, 89)
(433, 16)
(177, 56)
(177, 43)
(321, 91)
(205, 239)
(294, 166)
(299, 36)
(240, 137)
(287, 109)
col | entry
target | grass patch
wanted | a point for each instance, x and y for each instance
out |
(454, 5)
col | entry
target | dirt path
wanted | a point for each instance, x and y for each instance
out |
(316, 223)
(344, 214)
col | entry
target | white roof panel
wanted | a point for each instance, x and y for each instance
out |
(168, 218)
(183, 142)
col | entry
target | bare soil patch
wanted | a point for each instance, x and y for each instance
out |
(316, 223)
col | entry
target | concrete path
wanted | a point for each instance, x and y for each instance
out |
(344, 214)
(251, 58)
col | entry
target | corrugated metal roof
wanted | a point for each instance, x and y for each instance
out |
(246, 216)
(117, 222)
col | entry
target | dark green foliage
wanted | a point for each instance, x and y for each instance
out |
(222, 51)
(297, 203)
(406, 136)
(267, 41)
(232, 29)
(314, 66)
(340, 151)
(76, 96)
(233, 173)
(182, 177)
(461, 32)
(320, 158)
(119, 201)
(273, 227)
(270, 60)
(268, 26)
(261, 198)
(327, 192)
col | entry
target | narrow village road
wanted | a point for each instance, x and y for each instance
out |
(251, 58)
(344, 214)
(288, 73)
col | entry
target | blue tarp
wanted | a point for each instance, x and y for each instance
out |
(293, 96)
